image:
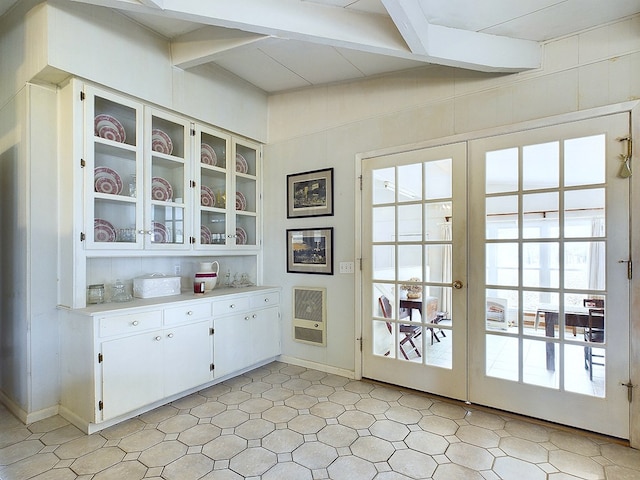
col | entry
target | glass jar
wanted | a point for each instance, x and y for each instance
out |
(95, 293)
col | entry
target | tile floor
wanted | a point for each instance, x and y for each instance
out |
(287, 422)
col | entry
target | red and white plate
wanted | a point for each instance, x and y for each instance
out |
(106, 126)
(106, 180)
(208, 155)
(205, 235)
(161, 189)
(103, 231)
(161, 142)
(207, 198)
(241, 164)
(241, 236)
(241, 201)
(160, 233)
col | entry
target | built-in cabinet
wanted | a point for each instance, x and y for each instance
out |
(159, 181)
(120, 361)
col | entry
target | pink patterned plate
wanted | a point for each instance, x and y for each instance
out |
(107, 181)
(103, 231)
(207, 198)
(160, 233)
(241, 164)
(208, 155)
(108, 127)
(161, 142)
(205, 235)
(241, 201)
(241, 236)
(161, 189)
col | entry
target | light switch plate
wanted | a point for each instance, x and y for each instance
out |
(347, 267)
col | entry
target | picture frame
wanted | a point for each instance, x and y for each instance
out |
(310, 194)
(310, 250)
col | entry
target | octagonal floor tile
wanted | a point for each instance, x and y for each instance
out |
(337, 435)
(350, 468)
(224, 447)
(253, 461)
(373, 449)
(282, 441)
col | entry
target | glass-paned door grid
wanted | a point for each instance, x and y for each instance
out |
(550, 219)
(411, 240)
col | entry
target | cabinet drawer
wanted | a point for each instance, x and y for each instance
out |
(225, 306)
(132, 323)
(268, 299)
(187, 313)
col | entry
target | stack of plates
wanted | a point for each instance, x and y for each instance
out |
(106, 180)
(106, 126)
(241, 164)
(103, 231)
(207, 198)
(241, 236)
(161, 189)
(160, 142)
(208, 155)
(160, 233)
(241, 202)
(205, 235)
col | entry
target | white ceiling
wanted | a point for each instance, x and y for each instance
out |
(280, 45)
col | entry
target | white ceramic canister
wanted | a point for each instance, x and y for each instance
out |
(207, 274)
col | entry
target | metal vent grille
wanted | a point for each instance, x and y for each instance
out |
(309, 315)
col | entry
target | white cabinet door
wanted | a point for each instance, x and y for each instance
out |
(232, 344)
(130, 374)
(265, 332)
(187, 357)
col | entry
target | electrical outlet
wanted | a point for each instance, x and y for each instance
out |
(177, 269)
(347, 267)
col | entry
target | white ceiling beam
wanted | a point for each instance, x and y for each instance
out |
(207, 44)
(461, 48)
(343, 28)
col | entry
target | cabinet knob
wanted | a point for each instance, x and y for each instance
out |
(233, 305)
(190, 312)
(266, 300)
(135, 323)
(158, 338)
(170, 335)
(247, 317)
(255, 315)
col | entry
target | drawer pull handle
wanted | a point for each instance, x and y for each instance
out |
(170, 335)
(135, 323)
(158, 338)
(190, 312)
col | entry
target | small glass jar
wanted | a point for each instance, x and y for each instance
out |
(95, 293)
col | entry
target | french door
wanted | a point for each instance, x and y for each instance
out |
(519, 244)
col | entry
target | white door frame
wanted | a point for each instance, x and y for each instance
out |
(633, 107)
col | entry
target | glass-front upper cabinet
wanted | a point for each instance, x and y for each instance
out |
(247, 200)
(212, 184)
(113, 167)
(167, 189)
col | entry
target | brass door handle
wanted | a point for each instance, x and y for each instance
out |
(457, 284)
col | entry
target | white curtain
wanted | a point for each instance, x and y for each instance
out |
(596, 256)
(445, 297)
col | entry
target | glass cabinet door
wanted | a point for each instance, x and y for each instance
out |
(167, 191)
(247, 164)
(113, 127)
(211, 187)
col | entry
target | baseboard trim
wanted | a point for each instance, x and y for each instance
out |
(318, 366)
(22, 415)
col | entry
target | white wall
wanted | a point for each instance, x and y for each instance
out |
(327, 126)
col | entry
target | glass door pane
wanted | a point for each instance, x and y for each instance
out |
(211, 200)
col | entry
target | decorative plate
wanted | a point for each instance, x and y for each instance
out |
(207, 198)
(108, 127)
(241, 164)
(205, 235)
(241, 236)
(161, 189)
(208, 155)
(103, 231)
(241, 201)
(107, 181)
(160, 233)
(161, 142)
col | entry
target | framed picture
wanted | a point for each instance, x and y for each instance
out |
(310, 194)
(310, 251)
